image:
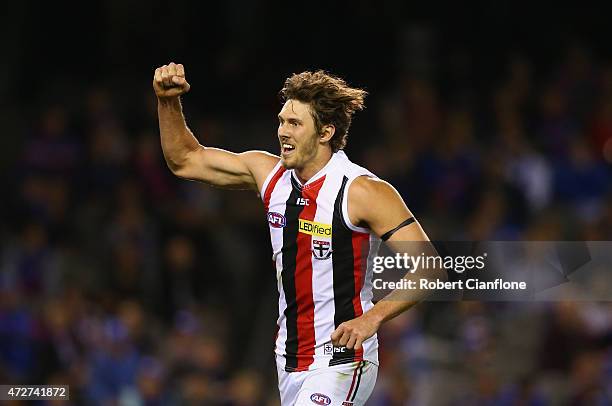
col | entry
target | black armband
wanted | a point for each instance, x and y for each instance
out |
(389, 233)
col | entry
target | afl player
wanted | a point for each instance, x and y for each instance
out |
(326, 217)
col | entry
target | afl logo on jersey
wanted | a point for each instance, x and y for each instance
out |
(320, 399)
(276, 220)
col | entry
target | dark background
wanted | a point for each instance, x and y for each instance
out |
(494, 121)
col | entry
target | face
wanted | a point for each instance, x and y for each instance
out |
(296, 134)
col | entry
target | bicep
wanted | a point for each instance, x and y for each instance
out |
(227, 169)
(383, 209)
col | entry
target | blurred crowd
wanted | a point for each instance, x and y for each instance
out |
(136, 288)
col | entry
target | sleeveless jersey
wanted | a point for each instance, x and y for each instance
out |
(323, 264)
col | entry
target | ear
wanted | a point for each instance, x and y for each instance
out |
(327, 132)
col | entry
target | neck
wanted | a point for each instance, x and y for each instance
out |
(314, 165)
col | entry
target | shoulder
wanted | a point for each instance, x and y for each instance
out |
(375, 203)
(260, 164)
(371, 189)
(260, 158)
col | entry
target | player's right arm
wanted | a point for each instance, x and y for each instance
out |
(186, 157)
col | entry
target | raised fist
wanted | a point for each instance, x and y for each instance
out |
(169, 81)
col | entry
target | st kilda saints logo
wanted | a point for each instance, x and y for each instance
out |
(321, 249)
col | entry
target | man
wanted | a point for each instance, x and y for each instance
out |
(326, 217)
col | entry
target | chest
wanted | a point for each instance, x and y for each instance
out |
(298, 213)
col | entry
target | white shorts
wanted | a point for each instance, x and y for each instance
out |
(340, 385)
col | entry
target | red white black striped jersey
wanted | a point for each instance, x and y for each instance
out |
(323, 264)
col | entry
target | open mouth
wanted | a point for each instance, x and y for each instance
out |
(287, 149)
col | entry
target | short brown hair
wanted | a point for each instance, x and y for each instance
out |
(331, 101)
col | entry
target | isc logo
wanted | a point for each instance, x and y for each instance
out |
(320, 399)
(329, 349)
(276, 220)
(302, 202)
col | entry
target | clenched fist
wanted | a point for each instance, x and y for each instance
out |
(169, 81)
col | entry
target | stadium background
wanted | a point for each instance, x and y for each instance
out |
(136, 288)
